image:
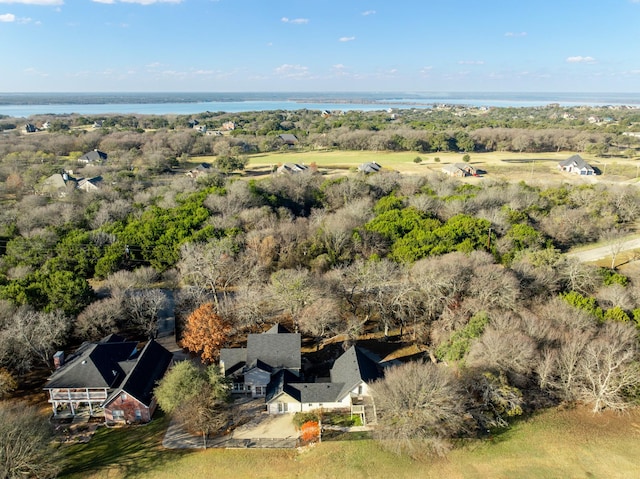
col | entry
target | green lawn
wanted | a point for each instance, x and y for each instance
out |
(498, 164)
(560, 444)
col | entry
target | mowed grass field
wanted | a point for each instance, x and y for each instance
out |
(554, 444)
(499, 165)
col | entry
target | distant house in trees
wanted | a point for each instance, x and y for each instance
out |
(98, 124)
(90, 184)
(270, 367)
(453, 170)
(201, 170)
(576, 165)
(459, 170)
(94, 157)
(289, 139)
(58, 184)
(30, 128)
(369, 167)
(291, 168)
(110, 378)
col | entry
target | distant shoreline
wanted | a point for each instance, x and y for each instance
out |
(24, 105)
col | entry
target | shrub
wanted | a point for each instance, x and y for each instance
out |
(300, 418)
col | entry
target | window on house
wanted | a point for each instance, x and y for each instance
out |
(123, 397)
(118, 414)
(261, 390)
(138, 415)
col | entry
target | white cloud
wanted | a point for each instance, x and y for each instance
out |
(366, 13)
(35, 2)
(7, 17)
(292, 71)
(110, 2)
(470, 62)
(36, 72)
(296, 21)
(346, 39)
(426, 70)
(515, 34)
(580, 59)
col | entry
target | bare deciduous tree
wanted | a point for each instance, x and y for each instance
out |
(420, 408)
(206, 265)
(32, 337)
(143, 307)
(609, 368)
(100, 318)
(321, 319)
(25, 443)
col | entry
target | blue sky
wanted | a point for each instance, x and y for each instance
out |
(319, 45)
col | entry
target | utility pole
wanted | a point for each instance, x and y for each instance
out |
(489, 239)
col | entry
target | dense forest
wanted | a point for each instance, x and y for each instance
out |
(474, 275)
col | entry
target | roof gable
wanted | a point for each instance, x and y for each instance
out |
(145, 371)
(276, 349)
(93, 156)
(354, 367)
(94, 365)
(577, 162)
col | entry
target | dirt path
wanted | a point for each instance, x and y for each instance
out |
(600, 252)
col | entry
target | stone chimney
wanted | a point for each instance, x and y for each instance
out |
(58, 359)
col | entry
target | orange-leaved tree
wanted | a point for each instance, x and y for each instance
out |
(206, 332)
(310, 431)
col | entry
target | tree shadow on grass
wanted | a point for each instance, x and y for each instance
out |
(132, 450)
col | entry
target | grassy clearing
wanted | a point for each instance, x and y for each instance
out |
(571, 443)
(501, 165)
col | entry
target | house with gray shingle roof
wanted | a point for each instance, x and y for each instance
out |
(348, 387)
(90, 184)
(288, 139)
(576, 165)
(291, 168)
(134, 401)
(270, 367)
(369, 167)
(98, 373)
(355, 369)
(267, 353)
(94, 157)
(58, 184)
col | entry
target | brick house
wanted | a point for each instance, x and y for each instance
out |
(97, 375)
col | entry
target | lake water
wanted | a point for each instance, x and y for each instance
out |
(23, 105)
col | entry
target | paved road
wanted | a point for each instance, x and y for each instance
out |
(600, 252)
